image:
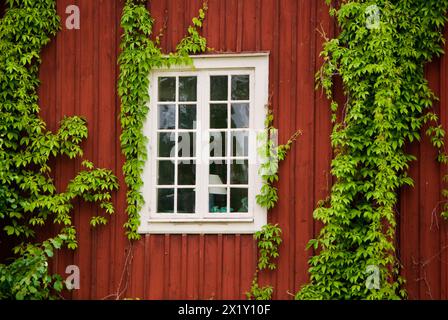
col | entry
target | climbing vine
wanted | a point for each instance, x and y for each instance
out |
(269, 238)
(381, 65)
(140, 54)
(28, 196)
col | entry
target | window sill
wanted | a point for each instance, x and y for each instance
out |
(202, 226)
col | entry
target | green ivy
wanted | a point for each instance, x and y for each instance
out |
(388, 97)
(271, 155)
(269, 238)
(28, 196)
(140, 54)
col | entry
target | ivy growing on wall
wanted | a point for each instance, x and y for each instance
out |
(381, 63)
(140, 54)
(269, 237)
(28, 196)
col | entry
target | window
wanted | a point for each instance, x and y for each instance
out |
(202, 172)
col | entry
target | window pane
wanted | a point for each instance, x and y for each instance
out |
(240, 115)
(240, 87)
(186, 146)
(218, 172)
(218, 144)
(218, 88)
(239, 200)
(186, 174)
(187, 116)
(167, 116)
(217, 201)
(167, 89)
(166, 173)
(166, 144)
(218, 116)
(186, 201)
(187, 88)
(239, 172)
(240, 144)
(165, 200)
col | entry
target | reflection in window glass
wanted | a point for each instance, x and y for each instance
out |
(240, 87)
(218, 88)
(240, 115)
(186, 201)
(187, 116)
(187, 89)
(165, 173)
(165, 200)
(167, 89)
(239, 201)
(167, 116)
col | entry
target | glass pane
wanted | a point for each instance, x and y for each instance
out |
(187, 88)
(167, 89)
(218, 144)
(165, 200)
(240, 87)
(218, 116)
(186, 201)
(240, 115)
(239, 200)
(187, 116)
(217, 199)
(239, 172)
(218, 88)
(218, 172)
(167, 144)
(187, 144)
(240, 144)
(186, 174)
(167, 116)
(165, 173)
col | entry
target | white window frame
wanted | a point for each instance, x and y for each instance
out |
(257, 66)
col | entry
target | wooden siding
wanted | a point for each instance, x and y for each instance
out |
(79, 75)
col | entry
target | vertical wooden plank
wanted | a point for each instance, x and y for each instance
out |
(305, 120)
(137, 277)
(193, 272)
(119, 242)
(228, 266)
(231, 24)
(66, 106)
(175, 265)
(212, 24)
(157, 267)
(201, 267)
(105, 144)
(184, 257)
(429, 197)
(211, 267)
(247, 264)
(248, 25)
(86, 106)
(282, 109)
(444, 121)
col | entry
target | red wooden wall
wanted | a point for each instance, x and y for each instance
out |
(79, 76)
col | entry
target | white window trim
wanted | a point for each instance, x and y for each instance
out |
(258, 65)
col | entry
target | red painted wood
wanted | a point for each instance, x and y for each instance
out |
(79, 75)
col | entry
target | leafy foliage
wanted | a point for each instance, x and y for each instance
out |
(28, 196)
(140, 54)
(268, 242)
(387, 100)
(269, 238)
(259, 293)
(27, 277)
(271, 155)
